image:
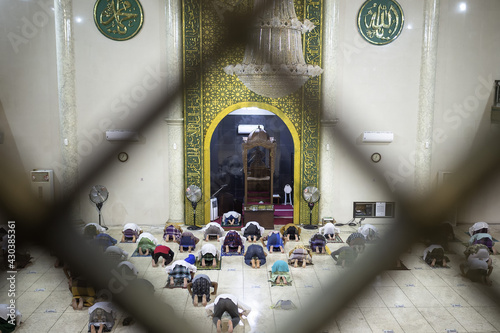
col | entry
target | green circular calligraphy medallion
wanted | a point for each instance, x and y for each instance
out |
(118, 19)
(380, 21)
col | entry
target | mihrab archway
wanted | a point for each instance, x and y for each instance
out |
(248, 108)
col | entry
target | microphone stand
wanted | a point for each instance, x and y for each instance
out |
(216, 192)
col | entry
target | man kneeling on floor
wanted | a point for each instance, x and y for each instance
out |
(181, 271)
(208, 255)
(199, 288)
(255, 256)
(230, 304)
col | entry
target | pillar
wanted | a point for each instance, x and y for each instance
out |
(67, 102)
(425, 118)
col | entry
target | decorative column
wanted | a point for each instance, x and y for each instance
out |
(175, 155)
(328, 100)
(67, 102)
(327, 163)
(425, 119)
(175, 122)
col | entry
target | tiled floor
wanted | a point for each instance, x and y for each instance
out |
(420, 299)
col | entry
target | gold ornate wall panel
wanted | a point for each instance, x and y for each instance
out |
(311, 109)
(209, 90)
(192, 70)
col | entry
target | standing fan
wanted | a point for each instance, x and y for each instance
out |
(98, 195)
(193, 194)
(311, 196)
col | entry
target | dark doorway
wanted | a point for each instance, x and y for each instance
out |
(226, 162)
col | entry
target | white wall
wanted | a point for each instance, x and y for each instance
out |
(376, 89)
(115, 82)
(469, 50)
(28, 84)
(112, 79)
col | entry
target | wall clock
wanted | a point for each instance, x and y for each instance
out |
(122, 156)
(376, 157)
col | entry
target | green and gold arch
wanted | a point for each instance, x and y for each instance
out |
(210, 94)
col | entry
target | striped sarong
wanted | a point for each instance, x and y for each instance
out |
(317, 240)
(179, 273)
(81, 289)
(299, 253)
(171, 230)
(130, 233)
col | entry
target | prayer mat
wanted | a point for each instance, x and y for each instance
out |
(136, 254)
(396, 268)
(176, 285)
(237, 221)
(299, 265)
(208, 267)
(336, 240)
(281, 284)
(235, 226)
(127, 241)
(224, 253)
(314, 252)
(437, 266)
